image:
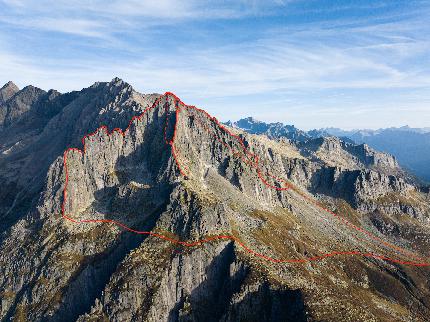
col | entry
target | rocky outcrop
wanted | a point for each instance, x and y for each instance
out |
(7, 91)
(19, 104)
(336, 152)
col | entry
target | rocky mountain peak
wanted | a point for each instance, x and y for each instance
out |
(117, 92)
(249, 120)
(251, 125)
(52, 93)
(272, 130)
(116, 81)
(10, 85)
(18, 104)
(7, 91)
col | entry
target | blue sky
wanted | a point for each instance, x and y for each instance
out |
(315, 63)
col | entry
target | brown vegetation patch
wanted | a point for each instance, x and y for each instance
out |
(344, 209)
(397, 198)
(7, 294)
(274, 234)
(21, 313)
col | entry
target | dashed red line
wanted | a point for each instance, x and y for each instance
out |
(253, 161)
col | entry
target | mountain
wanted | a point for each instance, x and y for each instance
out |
(411, 146)
(273, 130)
(7, 91)
(120, 206)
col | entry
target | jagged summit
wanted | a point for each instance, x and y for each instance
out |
(272, 130)
(18, 103)
(7, 91)
(10, 84)
(115, 82)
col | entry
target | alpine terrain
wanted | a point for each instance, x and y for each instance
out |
(121, 206)
(410, 146)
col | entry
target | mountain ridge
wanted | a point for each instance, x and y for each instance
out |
(410, 146)
(214, 238)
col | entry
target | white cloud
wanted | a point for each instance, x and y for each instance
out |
(286, 65)
(80, 27)
(277, 63)
(101, 19)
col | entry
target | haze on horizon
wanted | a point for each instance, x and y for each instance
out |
(314, 64)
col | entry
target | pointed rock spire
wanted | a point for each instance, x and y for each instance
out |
(7, 91)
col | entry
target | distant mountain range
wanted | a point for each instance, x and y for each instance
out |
(410, 146)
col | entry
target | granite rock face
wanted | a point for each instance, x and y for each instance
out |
(7, 91)
(175, 217)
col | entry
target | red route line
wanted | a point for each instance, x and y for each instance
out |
(256, 162)
(255, 159)
(245, 149)
(236, 153)
(254, 165)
